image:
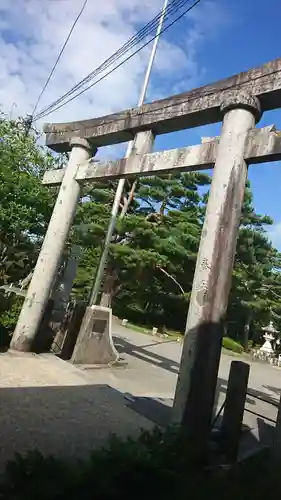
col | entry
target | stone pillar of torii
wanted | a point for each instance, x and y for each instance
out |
(239, 102)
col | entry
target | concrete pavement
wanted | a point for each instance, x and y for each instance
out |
(61, 409)
(50, 405)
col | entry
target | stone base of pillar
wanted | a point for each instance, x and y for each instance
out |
(44, 337)
(94, 344)
(235, 400)
(45, 334)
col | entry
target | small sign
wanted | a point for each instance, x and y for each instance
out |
(99, 326)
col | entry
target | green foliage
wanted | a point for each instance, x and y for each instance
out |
(25, 208)
(155, 247)
(25, 205)
(113, 472)
(156, 465)
(231, 345)
(153, 255)
(255, 275)
(11, 312)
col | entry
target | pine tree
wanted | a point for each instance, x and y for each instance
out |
(154, 253)
(250, 301)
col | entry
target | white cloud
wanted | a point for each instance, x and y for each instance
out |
(274, 234)
(33, 31)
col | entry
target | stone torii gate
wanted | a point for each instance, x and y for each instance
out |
(238, 102)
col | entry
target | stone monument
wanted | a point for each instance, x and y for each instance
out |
(269, 336)
(94, 344)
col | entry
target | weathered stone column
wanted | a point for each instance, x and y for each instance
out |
(195, 391)
(49, 258)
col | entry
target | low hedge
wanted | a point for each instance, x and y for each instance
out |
(231, 345)
(154, 466)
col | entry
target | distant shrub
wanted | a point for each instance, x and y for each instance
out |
(9, 311)
(231, 345)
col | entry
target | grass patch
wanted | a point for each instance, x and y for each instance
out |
(138, 328)
(228, 344)
(231, 345)
(172, 334)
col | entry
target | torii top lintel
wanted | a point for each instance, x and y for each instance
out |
(194, 108)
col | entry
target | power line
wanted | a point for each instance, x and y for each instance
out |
(129, 44)
(59, 56)
(121, 183)
(172, 9)
(135, 40)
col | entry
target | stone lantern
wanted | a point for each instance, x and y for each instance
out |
(269, 336)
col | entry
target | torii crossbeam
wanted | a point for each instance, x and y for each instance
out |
(262, 146)
(192, 109)
(239, 102)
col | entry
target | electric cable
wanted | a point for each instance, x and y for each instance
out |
(59, 56)
(175, 5)
(59, 102)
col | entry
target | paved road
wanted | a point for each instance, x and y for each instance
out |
(151, 372)
(153, 363)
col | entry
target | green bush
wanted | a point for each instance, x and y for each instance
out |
(9, 311)
(231, 345)
(154, 466)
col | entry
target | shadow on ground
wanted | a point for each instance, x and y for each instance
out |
(72, 421)
(67, 420)
(158, 410)
(140, 352)
(276, 390)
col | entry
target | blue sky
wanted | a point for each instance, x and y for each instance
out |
(217, 39)
(252, 37)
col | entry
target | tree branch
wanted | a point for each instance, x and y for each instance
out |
(172, 278)
(148, 202)
(129, 199)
